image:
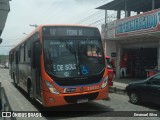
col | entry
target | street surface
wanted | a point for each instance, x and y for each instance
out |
(19, 101)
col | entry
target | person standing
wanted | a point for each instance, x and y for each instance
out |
(123, 66)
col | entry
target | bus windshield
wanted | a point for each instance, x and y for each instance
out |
(73, 57)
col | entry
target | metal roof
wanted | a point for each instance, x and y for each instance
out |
(132, 5)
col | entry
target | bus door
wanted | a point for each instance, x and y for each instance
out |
(11, 63)
(37, 68)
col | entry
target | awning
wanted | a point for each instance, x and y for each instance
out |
(132, 5)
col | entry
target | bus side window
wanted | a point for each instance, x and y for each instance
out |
(10, 58)
(17, 57)
(25, 47)
(29, 53)
(21, 53)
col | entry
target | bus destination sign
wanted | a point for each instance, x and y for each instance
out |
(70, 31)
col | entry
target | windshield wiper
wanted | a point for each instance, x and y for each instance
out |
(80, 52)
(73, 50)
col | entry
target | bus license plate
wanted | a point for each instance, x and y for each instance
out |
(82, 100)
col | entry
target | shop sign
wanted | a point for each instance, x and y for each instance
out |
(113, 54)
(139, 24)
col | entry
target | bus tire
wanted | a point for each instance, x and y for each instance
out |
(30, 89)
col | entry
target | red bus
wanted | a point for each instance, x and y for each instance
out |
(54, 65)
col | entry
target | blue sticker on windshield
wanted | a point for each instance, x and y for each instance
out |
(84, 70)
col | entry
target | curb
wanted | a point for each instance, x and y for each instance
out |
(118, 90)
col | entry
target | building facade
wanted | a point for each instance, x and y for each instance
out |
(138, 38)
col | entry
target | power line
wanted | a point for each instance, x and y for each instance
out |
(53, 5)
(88, 10)
(94, 15)
(88, 17)
(49, 15)
(99, 21)
(96, 21)
(111, 18)
(91, 15)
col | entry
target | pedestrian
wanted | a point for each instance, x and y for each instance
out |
(123, 66)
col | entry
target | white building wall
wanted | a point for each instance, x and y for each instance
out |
(110, 47)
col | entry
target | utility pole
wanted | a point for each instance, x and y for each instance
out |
(106, 17)
(153, 4)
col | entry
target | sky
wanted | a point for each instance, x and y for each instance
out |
(24, 13)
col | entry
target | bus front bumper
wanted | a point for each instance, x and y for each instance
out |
(50, 99)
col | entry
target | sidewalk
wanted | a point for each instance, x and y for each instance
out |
(119, 85)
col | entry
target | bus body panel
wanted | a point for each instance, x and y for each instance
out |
(24, 74)
(50, 99)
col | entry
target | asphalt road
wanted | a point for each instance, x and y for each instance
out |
(118, 105)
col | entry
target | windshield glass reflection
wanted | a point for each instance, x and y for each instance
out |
(73, 58)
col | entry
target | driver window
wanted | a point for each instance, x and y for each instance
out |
(93, 51)
(155, 80)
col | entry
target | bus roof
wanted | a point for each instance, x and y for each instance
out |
(67, 25)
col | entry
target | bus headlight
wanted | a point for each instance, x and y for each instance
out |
(51, 88)
(105, 81)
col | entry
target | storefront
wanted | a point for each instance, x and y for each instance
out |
(141, 57)
(138, 39)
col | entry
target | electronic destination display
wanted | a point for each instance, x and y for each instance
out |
(69, 31)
